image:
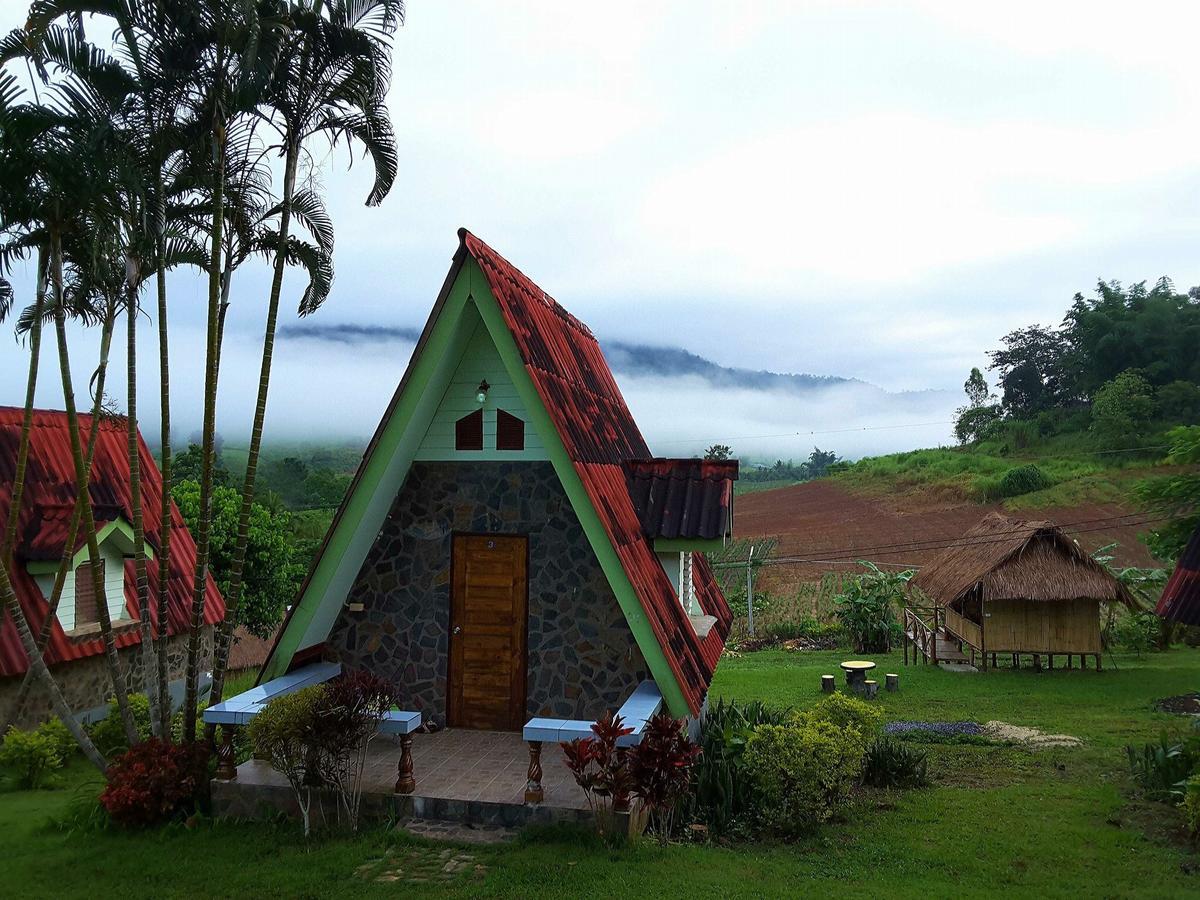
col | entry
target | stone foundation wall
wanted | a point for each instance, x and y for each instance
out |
(87, 687)
(583, 658)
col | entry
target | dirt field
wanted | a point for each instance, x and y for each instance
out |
(820, 519)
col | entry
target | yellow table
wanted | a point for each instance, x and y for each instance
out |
(856, 672)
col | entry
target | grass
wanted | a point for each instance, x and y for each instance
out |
(973, 474)
(1052, 823)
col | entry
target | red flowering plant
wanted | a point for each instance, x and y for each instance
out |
(601, 768)
(153, 781)
(660, 766)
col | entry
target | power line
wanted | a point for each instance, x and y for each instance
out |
(850, 553)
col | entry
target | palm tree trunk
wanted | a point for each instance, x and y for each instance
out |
(234, 593)
(9, 540)
(141, 573)
(42, 673)
(192, 689)
(166, 510)
(112, 658)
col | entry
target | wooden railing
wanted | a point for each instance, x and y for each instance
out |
(963, 628)
(920, 633)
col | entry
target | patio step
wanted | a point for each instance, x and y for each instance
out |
(458, 832)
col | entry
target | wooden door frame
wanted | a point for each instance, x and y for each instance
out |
(452, 709)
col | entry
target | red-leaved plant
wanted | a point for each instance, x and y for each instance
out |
(153, 781)
(657, 769)
(660, 766)
(601, 768)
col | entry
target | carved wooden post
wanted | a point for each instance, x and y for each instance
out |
(405, 783)
(533, 788)
(226, 765)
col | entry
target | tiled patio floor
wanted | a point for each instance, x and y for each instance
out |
(453, 764)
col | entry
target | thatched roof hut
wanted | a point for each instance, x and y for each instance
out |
(1014, 586)
(1007, 559)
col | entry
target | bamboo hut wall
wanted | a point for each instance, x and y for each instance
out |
(1032, 626)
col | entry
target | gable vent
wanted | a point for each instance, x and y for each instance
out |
(510, 431)
(468, 431)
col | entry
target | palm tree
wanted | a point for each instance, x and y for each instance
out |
(243, 40)
(332, 83)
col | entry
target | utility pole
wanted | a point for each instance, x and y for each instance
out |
(750, 590)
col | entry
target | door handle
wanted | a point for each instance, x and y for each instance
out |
(458, 629)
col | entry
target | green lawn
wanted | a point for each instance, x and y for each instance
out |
(1054, 823)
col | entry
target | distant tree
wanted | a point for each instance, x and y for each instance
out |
(273, 574)
(819, 462)
(971, 422)
(1123, 409)
(718, 452)
(1178, 402)
(1177, 496)
(186, 466)
(976, 388)
(1032, 365)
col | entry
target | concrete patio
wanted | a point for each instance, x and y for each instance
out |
(461, 775)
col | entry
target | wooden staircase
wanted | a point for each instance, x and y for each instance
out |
(932, 642)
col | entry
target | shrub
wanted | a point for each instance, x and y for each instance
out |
(346, 717)
(801, 773)
(845, 711)
(30, 755)
(1191, 805)
(64, 742)
(1162, 768)
(1022, 480)
(1137, 632)
(152, 782)
(660, 767)
(601, 768)
(889, 763)
(865, 608)
(109, 733)
(721, 792)
(283, 733)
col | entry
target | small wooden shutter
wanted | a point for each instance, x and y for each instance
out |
(86, 602)
(510, 431)
(468, 431)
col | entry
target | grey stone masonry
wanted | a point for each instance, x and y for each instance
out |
(582, 657)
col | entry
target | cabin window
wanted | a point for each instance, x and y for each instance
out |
(468, 431)
(510, 431)
(86, 602)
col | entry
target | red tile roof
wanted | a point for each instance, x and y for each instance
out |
(45, 513)
(682, 498)
(1181, 597)
(573, 379)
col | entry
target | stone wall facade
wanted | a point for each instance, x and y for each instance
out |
(582, 657)
(87, 687)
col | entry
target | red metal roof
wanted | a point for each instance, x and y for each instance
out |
(45, 512)
(682, 498)
(1180, 600)
(573, 379)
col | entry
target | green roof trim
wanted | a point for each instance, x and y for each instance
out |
(466, 299)
(118, 531)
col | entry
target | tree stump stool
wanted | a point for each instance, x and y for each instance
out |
(891, 682)
(871, 688)
(828, 684)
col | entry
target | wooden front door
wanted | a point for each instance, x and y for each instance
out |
(487, 632)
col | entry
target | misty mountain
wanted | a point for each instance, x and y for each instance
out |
(641, 360)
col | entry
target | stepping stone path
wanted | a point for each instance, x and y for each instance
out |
(420, 865)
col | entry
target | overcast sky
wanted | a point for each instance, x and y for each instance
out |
(872, 190)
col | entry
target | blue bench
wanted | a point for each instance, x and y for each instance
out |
(240, 710)
(641, 706)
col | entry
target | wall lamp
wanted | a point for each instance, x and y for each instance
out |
(482, 392)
